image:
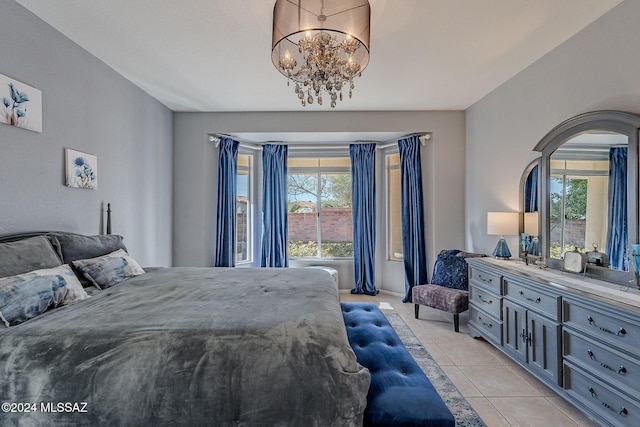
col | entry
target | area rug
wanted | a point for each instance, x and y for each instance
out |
(464, 414)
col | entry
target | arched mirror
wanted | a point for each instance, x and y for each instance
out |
(588, 197)
(530, 206)
(589, 192)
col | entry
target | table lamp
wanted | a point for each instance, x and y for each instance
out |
(502, 224)
(635, 252)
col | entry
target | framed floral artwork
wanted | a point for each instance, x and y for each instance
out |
(20, 104)
(81, 169)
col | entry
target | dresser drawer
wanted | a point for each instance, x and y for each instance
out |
(489, 280)
(488, 324)
(486, 300)
(599, 359)
(542, 302)
(617, 409)
(613, 327)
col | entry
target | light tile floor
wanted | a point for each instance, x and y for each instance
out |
(500, 391)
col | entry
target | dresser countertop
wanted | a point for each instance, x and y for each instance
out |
(627, 297)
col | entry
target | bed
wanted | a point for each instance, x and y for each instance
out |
(176, 346)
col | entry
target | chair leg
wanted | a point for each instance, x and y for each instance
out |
(417, 309)
(456, 322)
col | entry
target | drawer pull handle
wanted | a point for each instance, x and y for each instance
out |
(623, 411)
(621, 370)
(621, 332)
(488, 325)
(483, 279)
(525, 339)
(529, 299)
(484, 300)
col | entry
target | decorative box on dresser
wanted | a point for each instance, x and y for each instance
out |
(580, 336)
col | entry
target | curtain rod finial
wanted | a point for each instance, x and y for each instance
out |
(425, 137)
(215, 139)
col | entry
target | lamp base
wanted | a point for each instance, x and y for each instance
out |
(502, 250)
(534, 247)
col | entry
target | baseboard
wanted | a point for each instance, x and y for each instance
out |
(382, 291)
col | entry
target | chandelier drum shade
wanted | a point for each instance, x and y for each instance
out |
(321, 45)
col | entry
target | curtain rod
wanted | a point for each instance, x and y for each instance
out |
(424, 137)
(216, 137)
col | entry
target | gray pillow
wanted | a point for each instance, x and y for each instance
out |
(73, 247)
(27, 255)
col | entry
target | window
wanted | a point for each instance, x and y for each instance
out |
(320, 221)
(578, 205)
(394, 211)
(244, 203)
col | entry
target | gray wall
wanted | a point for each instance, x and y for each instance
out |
(87, 106)
(597, 69)
(195, 179)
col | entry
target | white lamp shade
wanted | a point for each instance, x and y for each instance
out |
(531, 223)
(502, 223)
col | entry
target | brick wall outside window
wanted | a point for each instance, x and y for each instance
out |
(336, 226)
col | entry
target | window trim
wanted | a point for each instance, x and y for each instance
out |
(250, 204)
(563, 175)
(387, 184)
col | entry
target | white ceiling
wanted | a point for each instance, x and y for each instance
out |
(214, 55)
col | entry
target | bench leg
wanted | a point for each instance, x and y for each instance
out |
(456, 322)
(417, 309)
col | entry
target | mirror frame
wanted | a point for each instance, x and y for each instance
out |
(605, 121)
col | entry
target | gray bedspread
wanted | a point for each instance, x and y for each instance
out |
(189, 346)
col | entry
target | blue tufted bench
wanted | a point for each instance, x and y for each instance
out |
(400, 393)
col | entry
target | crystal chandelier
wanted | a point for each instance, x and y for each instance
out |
(321, 45)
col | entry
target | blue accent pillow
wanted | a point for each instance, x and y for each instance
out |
(22, 300)
(108, 270)
(73, 290)
(451, 271)
(28, 295)
(72, 247)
